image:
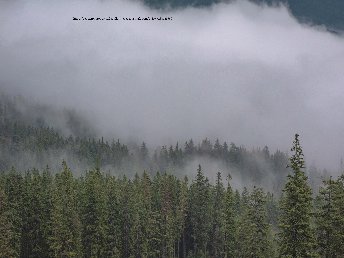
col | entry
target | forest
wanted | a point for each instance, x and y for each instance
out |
(216, 134)
(130, 202)
(27, 141)
(100, 215)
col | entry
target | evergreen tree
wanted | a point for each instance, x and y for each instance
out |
(66, 227)
(296, 238)
(113, 228)
(13, 186)
(36, 214)
(143, 151)
(200, 216)
(126, 216)
(181, 214)
(7, 231)
(329, 219)
(93, 214)
(217, 236)
(230, 222)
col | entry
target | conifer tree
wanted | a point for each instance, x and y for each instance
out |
(217, 237)
(6, 228)
(126, 215)
(113, 228)
(66, 227)
(36, 216)
(200, 213)
(230, 222)
(93, 214)
(329, 219)
(325, 219)
(296, 237)
(14, 192)
(181, 214)
(253, 229)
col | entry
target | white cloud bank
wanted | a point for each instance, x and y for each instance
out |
(243, 73)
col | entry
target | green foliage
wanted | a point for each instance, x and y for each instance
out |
(254, 230)
(231, 210)
(200, 212)
(330, 220)
(296, 235)
(7, 231)
(100, 215)
(65, 240)
(41, 145)
(93, 214)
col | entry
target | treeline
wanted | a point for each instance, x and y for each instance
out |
(39, 146)
(99, 215)
(28, 140)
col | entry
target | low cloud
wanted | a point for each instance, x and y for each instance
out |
(241, 72)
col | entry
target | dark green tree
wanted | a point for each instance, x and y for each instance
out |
(230, 222)
(200, 213)
(329, 219)
(296, 237)
(93, 214)
(65, 240)
(217, 235)
(7, 231)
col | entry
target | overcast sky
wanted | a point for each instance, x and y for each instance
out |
(243, 73)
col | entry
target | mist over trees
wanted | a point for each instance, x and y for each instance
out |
(154, 138)
(27, 145)
(100, 215)
(139, 201)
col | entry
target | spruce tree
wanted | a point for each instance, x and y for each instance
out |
(217, 239)
(65, 240)
(230, 222)
(200, 213)
(93, 214)
(14, 192)
(330, 219)
(296, 237)
(6, 228)
(113, 229)
(326, 219)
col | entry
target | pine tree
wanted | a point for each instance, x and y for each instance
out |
(93, 214)
(181, 214)
(36, 215)
(200, 213)
(253, 229)
(113, 228)
(339, 211)
(230, 222)
(296, 237)
(217, 237)
(126, 217)
(14, 192)
(65, 240)
(6, 228)
(329, 219)
(325, 220)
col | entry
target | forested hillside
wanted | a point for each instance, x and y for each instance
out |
(99, 215)
(27, 145)
(328, 13)
(127, 135)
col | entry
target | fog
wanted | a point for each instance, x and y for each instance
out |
(238, 72)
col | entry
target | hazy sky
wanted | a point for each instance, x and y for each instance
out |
(243, 73)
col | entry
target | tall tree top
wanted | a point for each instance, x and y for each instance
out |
(297, 161)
